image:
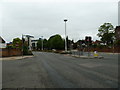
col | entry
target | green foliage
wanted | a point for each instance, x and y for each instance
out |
(101, 46)
(117, 43)
(39, 44)
(17, 43)
(25, 50)
(9, 47)
(56, 42)
(45, 44)
(105, 34)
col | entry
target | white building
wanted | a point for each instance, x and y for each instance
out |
(2, 43)
(34, 44)
(28, 39)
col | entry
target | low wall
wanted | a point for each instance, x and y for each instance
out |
(10, 52)
(115, 50)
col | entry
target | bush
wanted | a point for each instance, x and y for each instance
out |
(26, 51)
(9, 47)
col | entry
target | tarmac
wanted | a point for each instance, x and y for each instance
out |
(77, 56)
(52, 70)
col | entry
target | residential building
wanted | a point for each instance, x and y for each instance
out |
(2, 43)
(117, 32)
(34, 44)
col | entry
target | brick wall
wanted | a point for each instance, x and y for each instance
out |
(115, 50)
(10, 52)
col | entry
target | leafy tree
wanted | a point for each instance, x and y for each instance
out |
(117, 43)
(25, 49)
(56, 42)
(17, 43)
(9, 47)
(39, 44)
(45, 44)
(105, 34)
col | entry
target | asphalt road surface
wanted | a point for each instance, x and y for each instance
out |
(50, 70)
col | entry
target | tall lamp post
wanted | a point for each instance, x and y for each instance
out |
(42, 42)
(65, 20)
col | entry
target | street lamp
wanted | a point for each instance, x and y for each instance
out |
(42, 42)
(65, 20)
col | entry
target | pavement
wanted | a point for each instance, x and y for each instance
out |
(15, 57)
(50, 70)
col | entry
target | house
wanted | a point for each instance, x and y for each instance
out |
(2, 43)
(34, 44)
(98, 42)
(10, 44)
(117, 32)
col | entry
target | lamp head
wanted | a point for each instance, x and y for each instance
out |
(65, 20)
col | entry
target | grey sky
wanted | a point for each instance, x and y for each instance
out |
(45, 18)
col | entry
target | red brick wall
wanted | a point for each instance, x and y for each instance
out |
(116, 49)
(10, 52)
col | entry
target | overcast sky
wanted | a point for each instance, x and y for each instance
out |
(45, 17)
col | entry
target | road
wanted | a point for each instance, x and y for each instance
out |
(50, 70)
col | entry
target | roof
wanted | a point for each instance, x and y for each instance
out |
(117, 32)
(34, 40)
(2, 40)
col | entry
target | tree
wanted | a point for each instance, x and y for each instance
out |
(68, 42)
(106, 33)
(45, 44)
(39, 44)
(56, 42)
(17, 43)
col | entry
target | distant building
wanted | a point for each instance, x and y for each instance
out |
(28, 40)
(117, 32)
(9, 44)
(98, 42)
(34, 44)
(2, 43)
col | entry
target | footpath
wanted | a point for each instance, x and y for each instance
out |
(99, 55)
(15, 57)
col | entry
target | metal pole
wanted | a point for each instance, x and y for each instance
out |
(42, 42)
(22, 45)
(88, 49)
(113, 47)
(65, 36)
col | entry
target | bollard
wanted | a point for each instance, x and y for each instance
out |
(95, 54)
